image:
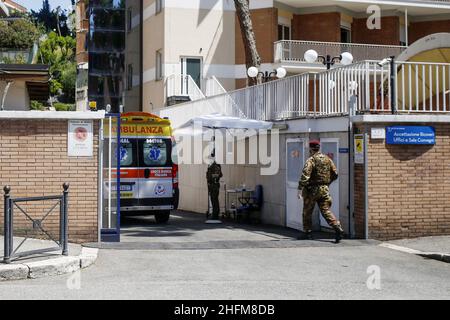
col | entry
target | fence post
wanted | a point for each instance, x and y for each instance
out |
(393, 86)
(7, 226)
(65, 218)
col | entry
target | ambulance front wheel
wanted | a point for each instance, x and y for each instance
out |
(162, 217)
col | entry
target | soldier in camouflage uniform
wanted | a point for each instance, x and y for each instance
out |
(213, 176)
(319, 172)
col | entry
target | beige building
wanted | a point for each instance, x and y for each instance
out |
(177, 51)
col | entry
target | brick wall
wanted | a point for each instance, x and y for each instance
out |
(34, 162)
(317, 27)
(408, 188)
(418, 30)
(389, 34)
(265, 25)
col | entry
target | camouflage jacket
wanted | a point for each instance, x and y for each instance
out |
(214, 173)
(319, 170)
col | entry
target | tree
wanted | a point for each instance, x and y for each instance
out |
(252, 57)
(18, 34)
(52, 20)
(59, 53)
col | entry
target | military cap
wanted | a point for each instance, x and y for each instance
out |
(315, 144)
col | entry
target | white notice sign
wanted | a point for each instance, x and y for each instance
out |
(378, 133)
(80, 138)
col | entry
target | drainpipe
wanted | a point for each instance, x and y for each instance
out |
(366, 182)
(5, 93)
(351, 175)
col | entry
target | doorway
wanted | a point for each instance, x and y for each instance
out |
(330, 147)
(295, 161)
(191, 67)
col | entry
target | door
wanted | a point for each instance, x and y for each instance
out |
(295, 161)
(190, 67)
(330, 147)
(109, 195)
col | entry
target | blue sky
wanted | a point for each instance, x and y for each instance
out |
(37, 4)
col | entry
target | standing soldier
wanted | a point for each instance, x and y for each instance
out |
(213, 176)
(319, 172)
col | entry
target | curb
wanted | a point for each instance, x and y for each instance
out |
(51, 267)
(443, 257)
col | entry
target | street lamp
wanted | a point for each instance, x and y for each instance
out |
(312, 56)
(254, 72)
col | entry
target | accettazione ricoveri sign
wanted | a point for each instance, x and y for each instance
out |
(411, 135)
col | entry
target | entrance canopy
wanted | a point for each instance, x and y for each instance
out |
(197, 125)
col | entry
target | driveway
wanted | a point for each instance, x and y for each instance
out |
(153, 262)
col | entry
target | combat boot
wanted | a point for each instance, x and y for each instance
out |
(339, 233)
(305, 236)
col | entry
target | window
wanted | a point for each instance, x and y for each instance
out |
(346, 35)
(284, 32)
(130, 77)
(126, 153)
(159, 71)
(158, 6)
(155, 152)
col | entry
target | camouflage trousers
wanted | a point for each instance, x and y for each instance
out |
(214, 190)
(321, 196)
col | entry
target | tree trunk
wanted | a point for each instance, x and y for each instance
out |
(252, 58)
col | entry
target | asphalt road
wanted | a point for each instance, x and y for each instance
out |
(282, 273)
(187, 259)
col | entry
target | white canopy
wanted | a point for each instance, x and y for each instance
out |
(4, 8)
(197, 125)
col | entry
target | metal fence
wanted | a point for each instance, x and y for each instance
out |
(416, 87)
(11, 204)
(294, 50)
(183, 85)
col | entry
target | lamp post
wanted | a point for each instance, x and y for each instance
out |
(312, 56)
(253, 72)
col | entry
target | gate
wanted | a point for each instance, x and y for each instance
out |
(109, 185)
(11, 204)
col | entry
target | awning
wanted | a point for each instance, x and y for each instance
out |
(197, 125)
(3, 9)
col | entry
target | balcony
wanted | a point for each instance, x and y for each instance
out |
(363, 87)
(15, 56)
(292, 51)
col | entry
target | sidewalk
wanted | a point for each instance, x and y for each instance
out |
(437, 248)
(44, 264)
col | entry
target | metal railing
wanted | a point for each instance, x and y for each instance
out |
(212, 87)
(10, 204)
(417, 87)
(183, 85)
(294, 50)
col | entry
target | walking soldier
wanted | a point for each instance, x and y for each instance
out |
(319, 172)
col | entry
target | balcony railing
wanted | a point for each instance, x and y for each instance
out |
(16, 56)
(293, 50)
(419, 87)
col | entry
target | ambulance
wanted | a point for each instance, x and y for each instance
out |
(148, 168)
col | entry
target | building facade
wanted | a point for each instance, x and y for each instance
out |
(177, 51)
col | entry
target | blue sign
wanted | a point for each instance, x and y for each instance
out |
(344, 150)
(412, 135)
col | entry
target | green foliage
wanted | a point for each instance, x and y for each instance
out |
(68, 80)
(59, 53)
(52, 19)
(64, 106)
(18, 59)
(18, 34)
(36, 105)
